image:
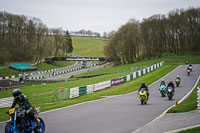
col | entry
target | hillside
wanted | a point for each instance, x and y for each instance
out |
(88, 46)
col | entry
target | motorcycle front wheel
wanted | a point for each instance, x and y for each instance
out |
(9, 128)
(142, 100)
(170, 97)
(40, 127)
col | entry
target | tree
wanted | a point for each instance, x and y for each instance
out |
(69, 47)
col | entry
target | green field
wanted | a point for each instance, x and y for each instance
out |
(88, 46)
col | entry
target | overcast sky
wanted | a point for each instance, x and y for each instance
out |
(96, 15)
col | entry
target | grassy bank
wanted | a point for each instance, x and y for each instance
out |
(189, 104)
(88, 46)
(193, 130)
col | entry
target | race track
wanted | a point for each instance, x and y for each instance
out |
(117, 114)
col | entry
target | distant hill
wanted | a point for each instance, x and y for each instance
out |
(89, 46)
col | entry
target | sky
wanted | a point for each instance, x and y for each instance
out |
(96, 15)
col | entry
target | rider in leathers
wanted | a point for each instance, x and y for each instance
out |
(21, 100)
(143, 85)
(171, 84)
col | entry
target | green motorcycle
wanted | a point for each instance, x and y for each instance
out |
(163, 90)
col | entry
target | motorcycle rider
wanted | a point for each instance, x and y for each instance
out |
(143, 85)
(188, 69)
(21, 100)
(171, 84)
(162, 82)
(178, 77)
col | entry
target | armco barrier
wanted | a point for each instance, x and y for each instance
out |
(79, 91)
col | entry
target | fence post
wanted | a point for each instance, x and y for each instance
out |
(53, 95)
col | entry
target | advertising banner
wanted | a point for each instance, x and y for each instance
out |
(131, 77)
(128, 77)
(152, 68)
(74, 92)
(139, 73)
(148, 69)
(82, 90)
(117, 81)
(90, 89)
(102, 85)
(144, 71)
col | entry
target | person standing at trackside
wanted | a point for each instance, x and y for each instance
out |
(143, 85)
(22, 101)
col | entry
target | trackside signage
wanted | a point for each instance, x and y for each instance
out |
(117, 81)
(77, 59)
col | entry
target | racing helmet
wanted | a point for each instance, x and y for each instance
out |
(143, 83)
(17, 92)
(162, 80)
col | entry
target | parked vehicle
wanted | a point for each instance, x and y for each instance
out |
(143, 96)
(22, 123)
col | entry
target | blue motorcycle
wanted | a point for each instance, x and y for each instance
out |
(21, 123)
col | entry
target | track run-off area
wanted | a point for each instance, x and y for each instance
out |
(120, 113)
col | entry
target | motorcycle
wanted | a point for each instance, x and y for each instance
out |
(177, 82)
(22, 123)
(143, 96)
(188, 72)
(190, 67)
(170, 92)
(163, 90)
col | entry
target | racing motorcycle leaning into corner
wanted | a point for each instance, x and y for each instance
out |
(23, 119)
(22, 123)
(170, 90)
(143, 93)
(178, 81)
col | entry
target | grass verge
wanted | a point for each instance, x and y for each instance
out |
(193, 130)
(189, 104)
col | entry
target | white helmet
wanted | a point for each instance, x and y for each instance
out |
(178, 76)
(162, 79)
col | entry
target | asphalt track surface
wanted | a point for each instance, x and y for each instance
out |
(117, 114)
